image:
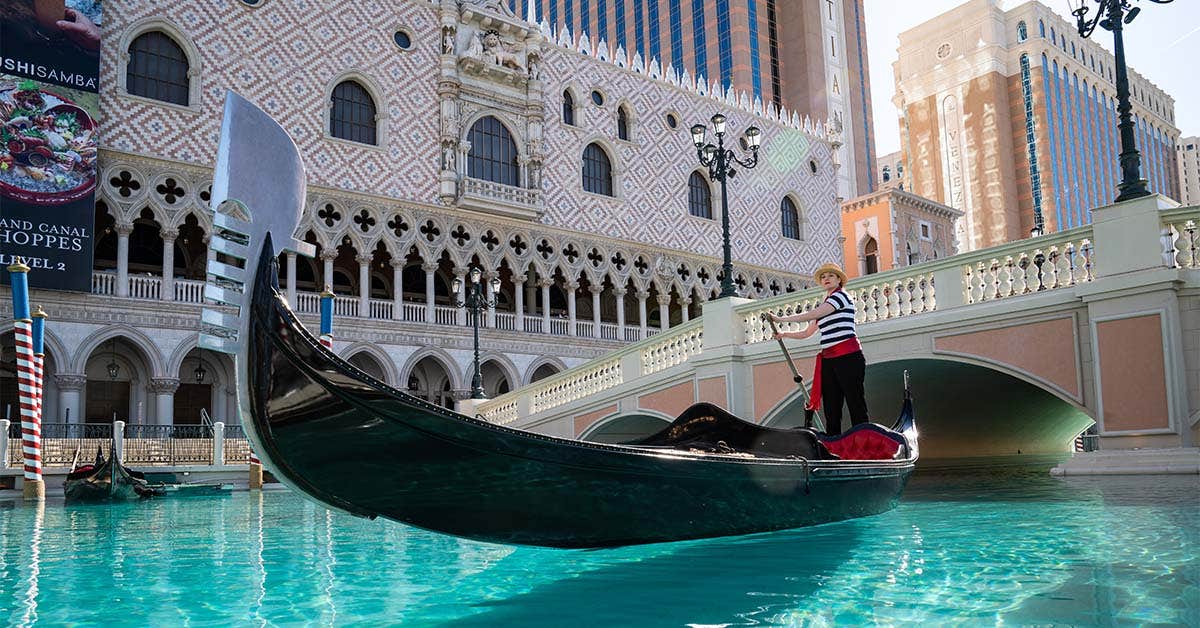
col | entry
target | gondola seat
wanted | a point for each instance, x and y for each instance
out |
(865, 441)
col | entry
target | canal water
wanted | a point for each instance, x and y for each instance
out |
(966, 546)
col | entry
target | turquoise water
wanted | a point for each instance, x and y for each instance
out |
(969, 547)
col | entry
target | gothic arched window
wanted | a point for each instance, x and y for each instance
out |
(699, 196)
(493, 154)
(597, 170)
(157, 69)
(790, 219)
(568, 104)
(352, 114)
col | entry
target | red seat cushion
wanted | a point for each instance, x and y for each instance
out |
(863, 445)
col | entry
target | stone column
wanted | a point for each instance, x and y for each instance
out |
(327, 258)
(164, 399)
(519, 295)
(460, 313)
(685, 317)
(429, 269)
(531, 295)
(620, 294)
(642, 295)
(167, 291)
(397, 290)
(664, 311)
(571, 287)
(364, 286)
(491, 298)
(545, 286)
(218, 443)
(123, 232)
(596, 290)
(69, 388)
(291, 279)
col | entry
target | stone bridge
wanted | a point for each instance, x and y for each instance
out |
(1011, 350)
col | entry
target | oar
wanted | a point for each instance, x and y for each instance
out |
(796, 377)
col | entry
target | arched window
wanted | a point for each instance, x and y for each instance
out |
(622, 124)
(157, 69)
(699, 196)
(352, 114)
(597, 171)
(887, 174)
(568, 113)
(1022, 31)
(790, 219)
(1042, 29)
(871, 256)
(493, 154)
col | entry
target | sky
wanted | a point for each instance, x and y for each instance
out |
(1162, 44)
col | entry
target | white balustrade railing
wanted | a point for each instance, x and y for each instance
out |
(673, 348)
(533, 325)
(893, 298)
(500, 192)
(189, 291)
(1042, 264)
(1181, 238)
(307, 303)
(584, 329)
(380, 309)
(445, 315)
(559, 326)
(345, 306)
(573, 384)
(145, 287)
(632, 334)
(502, 413)
(609, 331)
(104, 283)
(506, 321)
(414, 312)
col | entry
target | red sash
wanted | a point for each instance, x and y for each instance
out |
(845, 347)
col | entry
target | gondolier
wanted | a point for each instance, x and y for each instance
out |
(841, 367)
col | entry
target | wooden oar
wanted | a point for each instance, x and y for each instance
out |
(796, 377)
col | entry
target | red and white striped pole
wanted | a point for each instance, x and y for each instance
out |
(31, 428)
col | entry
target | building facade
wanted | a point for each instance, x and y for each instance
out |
(891, 171)
(807, 56)
(449, 135)
(1187, 156)
(892, 228)
(1011, 117)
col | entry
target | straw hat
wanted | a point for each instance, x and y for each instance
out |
(830, 268)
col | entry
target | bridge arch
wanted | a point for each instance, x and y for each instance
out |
(965, 408)
(622, 428)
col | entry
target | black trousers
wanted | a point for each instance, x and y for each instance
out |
(842, 382)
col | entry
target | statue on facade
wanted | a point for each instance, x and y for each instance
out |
(447, 40)
(489, 48)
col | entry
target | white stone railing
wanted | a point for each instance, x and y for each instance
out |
(345, 306)
(570, 385)
(502, 413)
(1044, 263)
(104, 283)
(189, 291)
(380, 309)
(673, 348)
(1181, 237)
(499, 192)
(145, 287)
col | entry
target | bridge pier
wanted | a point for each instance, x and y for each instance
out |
(1143, 327)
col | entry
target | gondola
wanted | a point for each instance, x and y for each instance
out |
(106, 480)
(354, 443)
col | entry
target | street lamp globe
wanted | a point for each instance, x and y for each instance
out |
(456, 285)
(718, 122)
(753, 137)
(475, 272)
(698, 135)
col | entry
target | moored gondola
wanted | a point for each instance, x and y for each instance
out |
(106, 480)
(354, 443)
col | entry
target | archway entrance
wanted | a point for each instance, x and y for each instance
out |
(430, 381)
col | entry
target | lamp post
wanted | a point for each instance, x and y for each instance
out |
(719, 161)
(475, 302)
(1111, 15)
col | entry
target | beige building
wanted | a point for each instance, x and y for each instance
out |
(1187, 156)
(893, 229)
(1010, 116)
(890, 173)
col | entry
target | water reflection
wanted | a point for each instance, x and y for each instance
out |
(1007, 546)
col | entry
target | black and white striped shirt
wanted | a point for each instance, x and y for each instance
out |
(839, 325)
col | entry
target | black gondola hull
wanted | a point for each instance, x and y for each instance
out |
(354, 443)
